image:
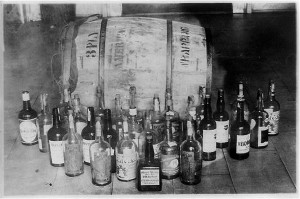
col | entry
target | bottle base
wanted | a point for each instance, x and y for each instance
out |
(239, 157)
(258, 147)
(126, 180)
(169, 177)
(273, 134)
(73, 175)
(209, 156)
(97, 184)
(57, 165)
(222, 145)
(190, 183)
(86, 163)
(145, 188)
(43, 151)
(29, 144)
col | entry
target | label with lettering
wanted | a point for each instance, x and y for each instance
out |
(273, 121)
(159, 130)
(101, 165)
(222, 131)
(243, 144)
(126, 165)
(56, 152)
(149, 176)
(79, 126)
(176, 131)
(73, 159)
(169, 164)
(188, 166)
(29, 131)
(86, 149)
(209, 141)
(262, 136)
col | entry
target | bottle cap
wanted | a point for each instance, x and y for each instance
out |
(25, 96)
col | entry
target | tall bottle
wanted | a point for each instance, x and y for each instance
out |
(272, 107)
(149, 170)
(67, 105)
(55, 136)
(99, 113)
(222, 121)
(127, 156)
(45, 123)
(79, 118)
(190, 158)
(259, 124)
(73, 152)
(190, 113)
(239, 144)
(208, 131)
(28, 124)
(117, 116)
(100, 153)
(88, 135)
(110, 136)
(169, 154)
(157, 120)
(200, 106)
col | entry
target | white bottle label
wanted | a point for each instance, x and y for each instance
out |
(57, 152)
(150, 176)
(209, 141)
(243, 144)
(262, 136)
(79, 127)
(29, 130)
(126, 165)
(273, 121)
(86, 149)
(222, 131)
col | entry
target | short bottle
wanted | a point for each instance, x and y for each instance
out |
(73, 152)
(222, 121)
(190, 158)
(272, 107)
(239, 144)
(259, 124)
(100, 153)
(55, 136)
(79, 118)
(45, 123)
(149, 169)
(28, 123)
(157, 119)
(88, 135)
(208, 131)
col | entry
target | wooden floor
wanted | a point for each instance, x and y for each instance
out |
(257, 46)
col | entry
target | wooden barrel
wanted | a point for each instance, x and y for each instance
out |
(152, 54)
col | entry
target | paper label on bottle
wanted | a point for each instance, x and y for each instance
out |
(73, 159)
(273, 121)
(169, 164)
(149, 176)
(86, 149)
(79, 127)
(56, 152)
(159, 130)
(242, 144)
(126, 165)
(209, 141)
(262, 136)
(222, 131)
(29, 131)
(101, 166)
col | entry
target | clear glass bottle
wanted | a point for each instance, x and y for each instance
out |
(45, 123)
(127, 156)
(28, 123)
(239, 144)
(169, 154)
(259, 124)
(157, 119)
(190, 158)
(222, 121)
(200, 106)
(100, 153)
(99, 112)
(149, 170)
(79, 118)
(208, 131)
(272, 107)
(88, 134)
(73, 152)
(55, 136)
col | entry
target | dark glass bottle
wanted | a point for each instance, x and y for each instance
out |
(239, 144)
(29, 128)
(88, 135)
(200, 106)
(110, 136)
(222, 121)
(45, 123)
(149, 170)
(208, 131)
(259, 124)
(55, 136)
(190, 158)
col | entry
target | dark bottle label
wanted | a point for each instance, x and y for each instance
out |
(149, 176)
(169, 164)
(73, 159)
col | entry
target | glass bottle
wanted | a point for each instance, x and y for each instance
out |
(67, 105)
(149, 170)
(79, 118)
(272, 107)
(127, 156)
(88, 134)
(190, 112)
(259, 124)
(169, 154)
(222, 121)
(117, 116)
(208, 131)
(45, 123)
(99, 113)
(73, 152)
(55, 136)
(157, 120)
(239, 144)
(125, 107)
(28, 124)
(110, 136)
(100, 153)
(200, 106)
(190, 158)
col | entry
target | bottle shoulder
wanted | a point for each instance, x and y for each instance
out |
(221, 116)
(27, 114)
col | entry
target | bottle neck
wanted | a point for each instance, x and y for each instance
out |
(272, 92)
(207, 109)
(149, 152)
(148, 124)
(56, 120)
(220, 104)
(107, 123)
(26, 105)
(169, 137)
(190, 131)
(99, 132)
(156, 105)
(240, 111)
(118, 108)
(91, 118)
